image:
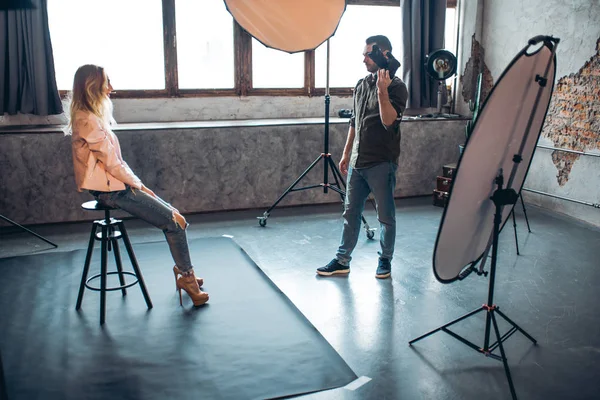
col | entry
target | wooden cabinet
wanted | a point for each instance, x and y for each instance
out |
(443, 183)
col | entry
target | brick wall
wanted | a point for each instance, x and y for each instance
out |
(473, 68)
(573, 120)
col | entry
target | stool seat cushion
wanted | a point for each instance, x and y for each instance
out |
(96, 206)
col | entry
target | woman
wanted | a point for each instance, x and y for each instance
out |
(100, 168)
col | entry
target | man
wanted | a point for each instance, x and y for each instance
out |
(370, 159)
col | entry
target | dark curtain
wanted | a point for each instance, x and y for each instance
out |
(423, 23)
(27, 80)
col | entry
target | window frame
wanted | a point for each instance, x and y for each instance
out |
(242, 43)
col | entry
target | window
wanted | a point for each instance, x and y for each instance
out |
(276, 69)
(450, 34)
(205, 53)
(450, 38)
(346, 46)
(115, 34)
(158, 48)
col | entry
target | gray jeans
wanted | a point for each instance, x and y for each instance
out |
(379, 179)
(155, 211)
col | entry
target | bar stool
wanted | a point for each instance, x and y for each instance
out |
(111, 231)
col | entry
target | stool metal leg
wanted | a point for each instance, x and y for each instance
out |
(115, 246)
(103, 267)
(86, 266)
(134, 263)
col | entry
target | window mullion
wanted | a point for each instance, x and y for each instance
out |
(243, 60)
(309, 72)
(170, 48)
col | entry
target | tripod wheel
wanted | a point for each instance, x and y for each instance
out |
(262, 222)
(370, 234)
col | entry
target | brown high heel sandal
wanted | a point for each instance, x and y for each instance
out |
(177, 271)
(190, 285)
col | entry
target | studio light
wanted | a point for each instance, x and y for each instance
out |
(440, 65)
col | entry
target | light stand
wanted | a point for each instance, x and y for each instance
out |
(440, 73)
(440, 93)
(440, 96)
(439, 113)
(328, 163)
(501, 197)
(27, 230)
(515, 223)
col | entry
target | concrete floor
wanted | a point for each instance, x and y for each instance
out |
(550, 290)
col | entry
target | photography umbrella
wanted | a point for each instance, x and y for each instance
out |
(288, 25)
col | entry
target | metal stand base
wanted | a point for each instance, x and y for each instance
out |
(501, 197)
(327, 163)
(27, 230)
(487, 349)
(439, 113)
(336, 187)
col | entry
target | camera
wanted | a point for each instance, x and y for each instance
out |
(390, 63)
(345, 113)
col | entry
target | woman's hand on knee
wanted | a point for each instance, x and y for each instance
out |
(179, 219)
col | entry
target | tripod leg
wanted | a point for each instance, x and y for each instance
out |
(338, 178)
(515, 229)
(370, 232)
(516, 326)
(289, 189)
(372, 201)
(336, 172)
(504, 360)
(25, 229)
(525, 213)
(447, 325)
(334, 167)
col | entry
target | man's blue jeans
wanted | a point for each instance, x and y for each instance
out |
(155, 211)
(379, 179)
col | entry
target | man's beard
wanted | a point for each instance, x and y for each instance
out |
(372, 69)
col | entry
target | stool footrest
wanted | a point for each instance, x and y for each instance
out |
(97, 289)
(111, 235)
(112, 221)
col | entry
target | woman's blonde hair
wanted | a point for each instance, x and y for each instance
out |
(88, 95)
